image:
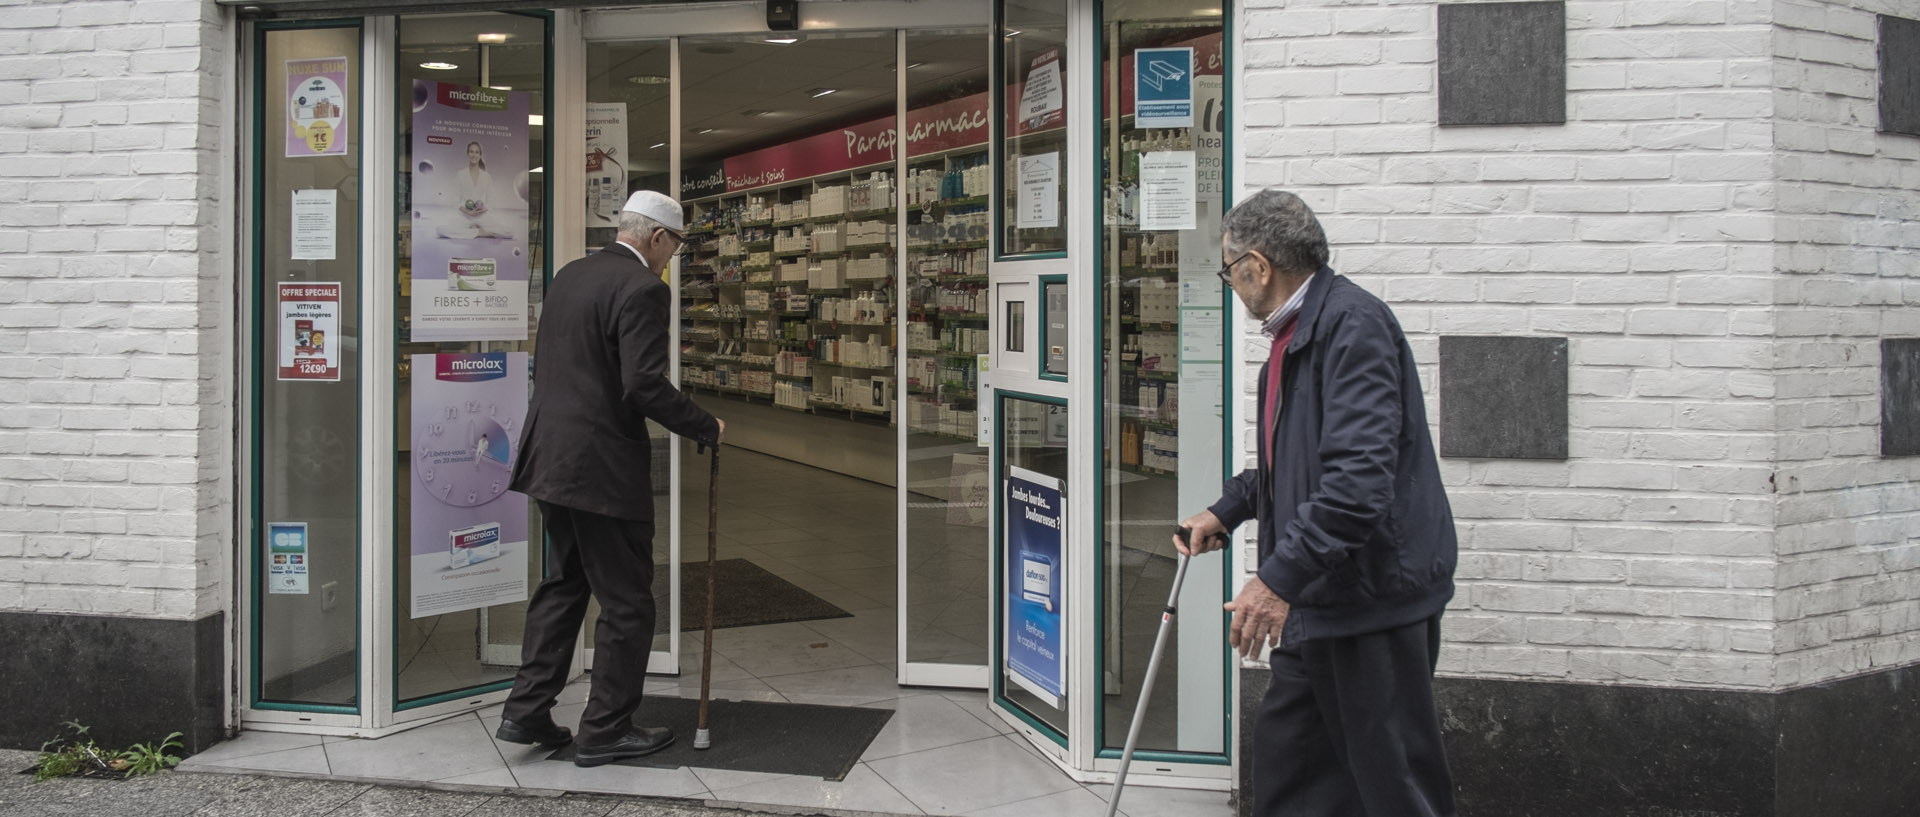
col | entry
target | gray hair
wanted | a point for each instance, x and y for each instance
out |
(636, 227)
(1281, 227)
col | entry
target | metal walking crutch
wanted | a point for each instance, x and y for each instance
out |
(701, 738)
(1153, 669)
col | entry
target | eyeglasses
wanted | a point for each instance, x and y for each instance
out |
(1226, 270)
(680, 247)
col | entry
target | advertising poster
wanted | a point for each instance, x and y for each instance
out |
(1043, 98)
(287, 558)
(1039, 191)
(317, 107)
(314, 225)
(1036, 655)
(470, 188)
(469, 533)
(310, 331)
(606, 162)
(1167, 182)
(1163, 88)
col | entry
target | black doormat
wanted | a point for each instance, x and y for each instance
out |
(758, 736)
(749, 596)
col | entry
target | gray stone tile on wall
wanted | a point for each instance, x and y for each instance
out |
(1503, 397)
(1503, 63)
(1899, 397)
(1899, 75)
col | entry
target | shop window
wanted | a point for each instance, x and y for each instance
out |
(1163, 331)
(471, 157)
(307, 380)
(1033, 147)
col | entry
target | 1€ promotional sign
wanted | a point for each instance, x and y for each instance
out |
(316, 107)
(1163, 88)
(1035, 603)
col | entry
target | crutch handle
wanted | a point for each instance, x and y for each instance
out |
(1186, 536)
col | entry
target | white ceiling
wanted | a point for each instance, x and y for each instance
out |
(721, 77)
(724, 77)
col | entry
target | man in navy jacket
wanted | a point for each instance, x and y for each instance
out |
(1356, 539)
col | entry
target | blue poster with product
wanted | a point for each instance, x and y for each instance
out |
(1035, 603)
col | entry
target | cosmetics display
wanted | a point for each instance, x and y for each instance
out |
(790, 293)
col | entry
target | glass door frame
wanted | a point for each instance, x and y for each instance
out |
(251, 135)
(1022, 376)
(1079, 752)
(377, 711)
(672, 24)
(1205, 766)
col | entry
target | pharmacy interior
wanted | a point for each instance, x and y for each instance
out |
(949, 279)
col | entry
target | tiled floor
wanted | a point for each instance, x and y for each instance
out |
(931, 758)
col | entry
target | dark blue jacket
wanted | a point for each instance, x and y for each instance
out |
(1355, 530)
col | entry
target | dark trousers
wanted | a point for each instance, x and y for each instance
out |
(610, 560)
(1348, 729)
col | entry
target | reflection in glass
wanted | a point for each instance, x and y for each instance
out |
(1163, 310)
(1033, 439)
(451, 652)
(628, 146)
(1033, 166)
(307, 640)
(946, 326)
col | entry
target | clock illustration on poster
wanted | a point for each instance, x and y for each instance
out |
(464, 455)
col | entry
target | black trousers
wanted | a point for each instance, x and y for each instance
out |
(608, 559)
(1348, 729)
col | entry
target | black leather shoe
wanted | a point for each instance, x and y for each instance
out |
(637, 742)
(551, 735)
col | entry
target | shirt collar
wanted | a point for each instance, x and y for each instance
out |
(1272, 326)
(630, 248)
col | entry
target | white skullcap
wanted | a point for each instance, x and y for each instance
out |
(657, 207)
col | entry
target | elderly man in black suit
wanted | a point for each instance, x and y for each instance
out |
(584, 455)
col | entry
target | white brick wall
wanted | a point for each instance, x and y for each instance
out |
(115, 391)
(1849, 537)
(1704, 355)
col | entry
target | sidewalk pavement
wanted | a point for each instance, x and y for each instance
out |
(196, 794)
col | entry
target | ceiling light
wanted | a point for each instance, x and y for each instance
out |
(1013, 33)
(648, 79)
(913, 65)
(783, 40)
(536, 119)
(755, 112)
(657, 146)
(438, 66)
(703, 131)
(492, 39)
(501, 87)
(820, 92)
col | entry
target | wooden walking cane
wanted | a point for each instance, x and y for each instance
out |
(701, 738)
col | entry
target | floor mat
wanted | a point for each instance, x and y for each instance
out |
(749, 596)
(759, 736)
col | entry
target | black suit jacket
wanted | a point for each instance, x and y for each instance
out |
(600, 373)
